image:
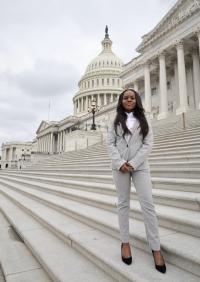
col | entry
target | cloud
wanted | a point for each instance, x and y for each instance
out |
(47, 78)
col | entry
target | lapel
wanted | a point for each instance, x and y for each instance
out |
(120, 130)
(135, 127)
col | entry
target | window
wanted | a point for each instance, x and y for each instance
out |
(102, 81)
(107, 81)
(97, 82)
(113, 81)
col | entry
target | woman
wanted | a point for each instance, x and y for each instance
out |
(130, 140)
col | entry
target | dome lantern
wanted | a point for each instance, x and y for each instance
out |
(106, 43)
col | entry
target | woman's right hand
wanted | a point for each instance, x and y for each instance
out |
(125, 168)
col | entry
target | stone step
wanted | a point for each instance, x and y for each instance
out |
(188, 132)
(17, 262)
(176, 144)
(173, 244)
(61, 261)
(174, 184)
(106, 160)
(169, 140)
(179, 153)
(184, 158)
(182, 199)
(155, 165)
(170, 217)
(192, 173)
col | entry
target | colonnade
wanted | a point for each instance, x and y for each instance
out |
(83, 103)
(180, 75)
(52, 142)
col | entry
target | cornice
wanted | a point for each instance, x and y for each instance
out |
(167, 25)
(96, 91)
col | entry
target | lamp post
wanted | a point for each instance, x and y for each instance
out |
(93, 109)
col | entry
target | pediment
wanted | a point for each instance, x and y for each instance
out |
(42, 126)
(177, 14)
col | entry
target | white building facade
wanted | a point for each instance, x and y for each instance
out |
(15, 154)
(167, 71)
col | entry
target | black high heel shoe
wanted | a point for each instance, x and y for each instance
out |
(126, 260)
(160, 268)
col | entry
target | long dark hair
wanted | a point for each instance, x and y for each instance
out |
(138, 113)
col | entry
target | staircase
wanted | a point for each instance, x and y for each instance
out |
(63, 208)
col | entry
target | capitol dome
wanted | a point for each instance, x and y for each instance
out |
(101, 82)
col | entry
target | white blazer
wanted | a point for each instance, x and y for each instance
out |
(135, 151)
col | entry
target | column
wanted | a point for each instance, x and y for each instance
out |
(58, 143)
(51, 143)
(163, 111)
(196, 78)
(79, 105)
(111, 97)
(99, 100)
(198, 36)
(38, 148)
(87, 103)
(104, 102)
(181, 79)
(136, 85)
(82, 109)
(64, 133)
(147, 87)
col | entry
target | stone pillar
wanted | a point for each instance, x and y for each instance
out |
(111, 97)
(82, 109)
(51, 142)
(136, 85)
(99, 100)
(38, 144)
(198, 36)
(87, 103)
(58, 143)
(163, 112)
(196, 78)
(61, 147)
(183, 107)
(147, 86)
(79, 105)
(104, 99)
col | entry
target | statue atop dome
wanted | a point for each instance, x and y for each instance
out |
(106, 32)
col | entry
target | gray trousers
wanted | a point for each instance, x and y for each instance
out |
(142, 182)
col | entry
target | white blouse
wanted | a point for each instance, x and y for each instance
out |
(129, 123)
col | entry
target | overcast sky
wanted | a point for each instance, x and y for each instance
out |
(46, 45)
